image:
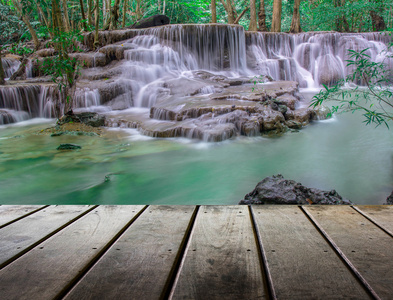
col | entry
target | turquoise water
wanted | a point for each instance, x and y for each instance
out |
(124, 167)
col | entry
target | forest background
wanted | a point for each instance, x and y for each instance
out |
(22, 20)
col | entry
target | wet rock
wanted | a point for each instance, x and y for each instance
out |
(6, 117)
(272, 120)
(321, 112)
(89, 118)
(110, 89)
(302, 116)
(293, 124)
(90, 59)
(277, 190)
(288, 100)
(45, 52)
(68, 147)
(116, 52)
(389, 200)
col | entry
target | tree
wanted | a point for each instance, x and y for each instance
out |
(374, 100)
(378, 22)
(214, 11)
(26, 20)
(341, 20)
(230, 11)
(253, 17)
(262, 16)
(295, 25)
(83, 15)
(276, 20)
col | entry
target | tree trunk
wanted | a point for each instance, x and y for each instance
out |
(295, 25)
(2, 75)
(66, 18)
(163, 10)
(25, 19)
(276, 20)
(253, 17)
(90, 13)
(240, 16)
(97, 16)
(114, 15)
(262, 16)
(83, 15)
(214, 11)
(123, 24)
(230, 11)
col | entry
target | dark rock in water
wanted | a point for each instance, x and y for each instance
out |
(156, 20)
(389, 200)
(68, 147)
(6, 117)
(277, 190)
(89, 118)
(74, 133)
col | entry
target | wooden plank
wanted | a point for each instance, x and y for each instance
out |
(302, 264)
(18, 237)
(222, 261)
(381, 214)
(45, 271)
(139, 264)
(9, 213)
(368, 248)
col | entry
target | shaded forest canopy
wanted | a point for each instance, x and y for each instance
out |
(31, 19)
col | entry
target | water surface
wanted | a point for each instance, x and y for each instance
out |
(124, 167)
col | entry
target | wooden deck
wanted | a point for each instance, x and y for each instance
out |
(196, 252)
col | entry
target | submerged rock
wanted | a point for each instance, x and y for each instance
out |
(277, 190)
(68, 147)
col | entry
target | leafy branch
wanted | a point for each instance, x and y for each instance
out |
(374, 98)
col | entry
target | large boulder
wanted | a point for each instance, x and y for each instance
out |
(156, 20)
(277, 190)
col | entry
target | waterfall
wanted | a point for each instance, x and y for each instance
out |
(10, 65)
(312, 58)
(170, 62)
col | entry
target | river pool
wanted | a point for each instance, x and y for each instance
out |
(124, 167)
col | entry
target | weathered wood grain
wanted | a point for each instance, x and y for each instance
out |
(302, 264)
(18, 237)
(381, 214)
(222, 261)
(368, 248)
(139, 264)
(9, 213)
(48, 269)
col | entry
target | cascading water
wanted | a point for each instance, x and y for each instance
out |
(10, 65)
(313, 58)
(167, 63)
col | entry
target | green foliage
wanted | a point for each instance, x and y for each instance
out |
(256, 80)
(63, 69)
(20, 49)
(374, 99)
